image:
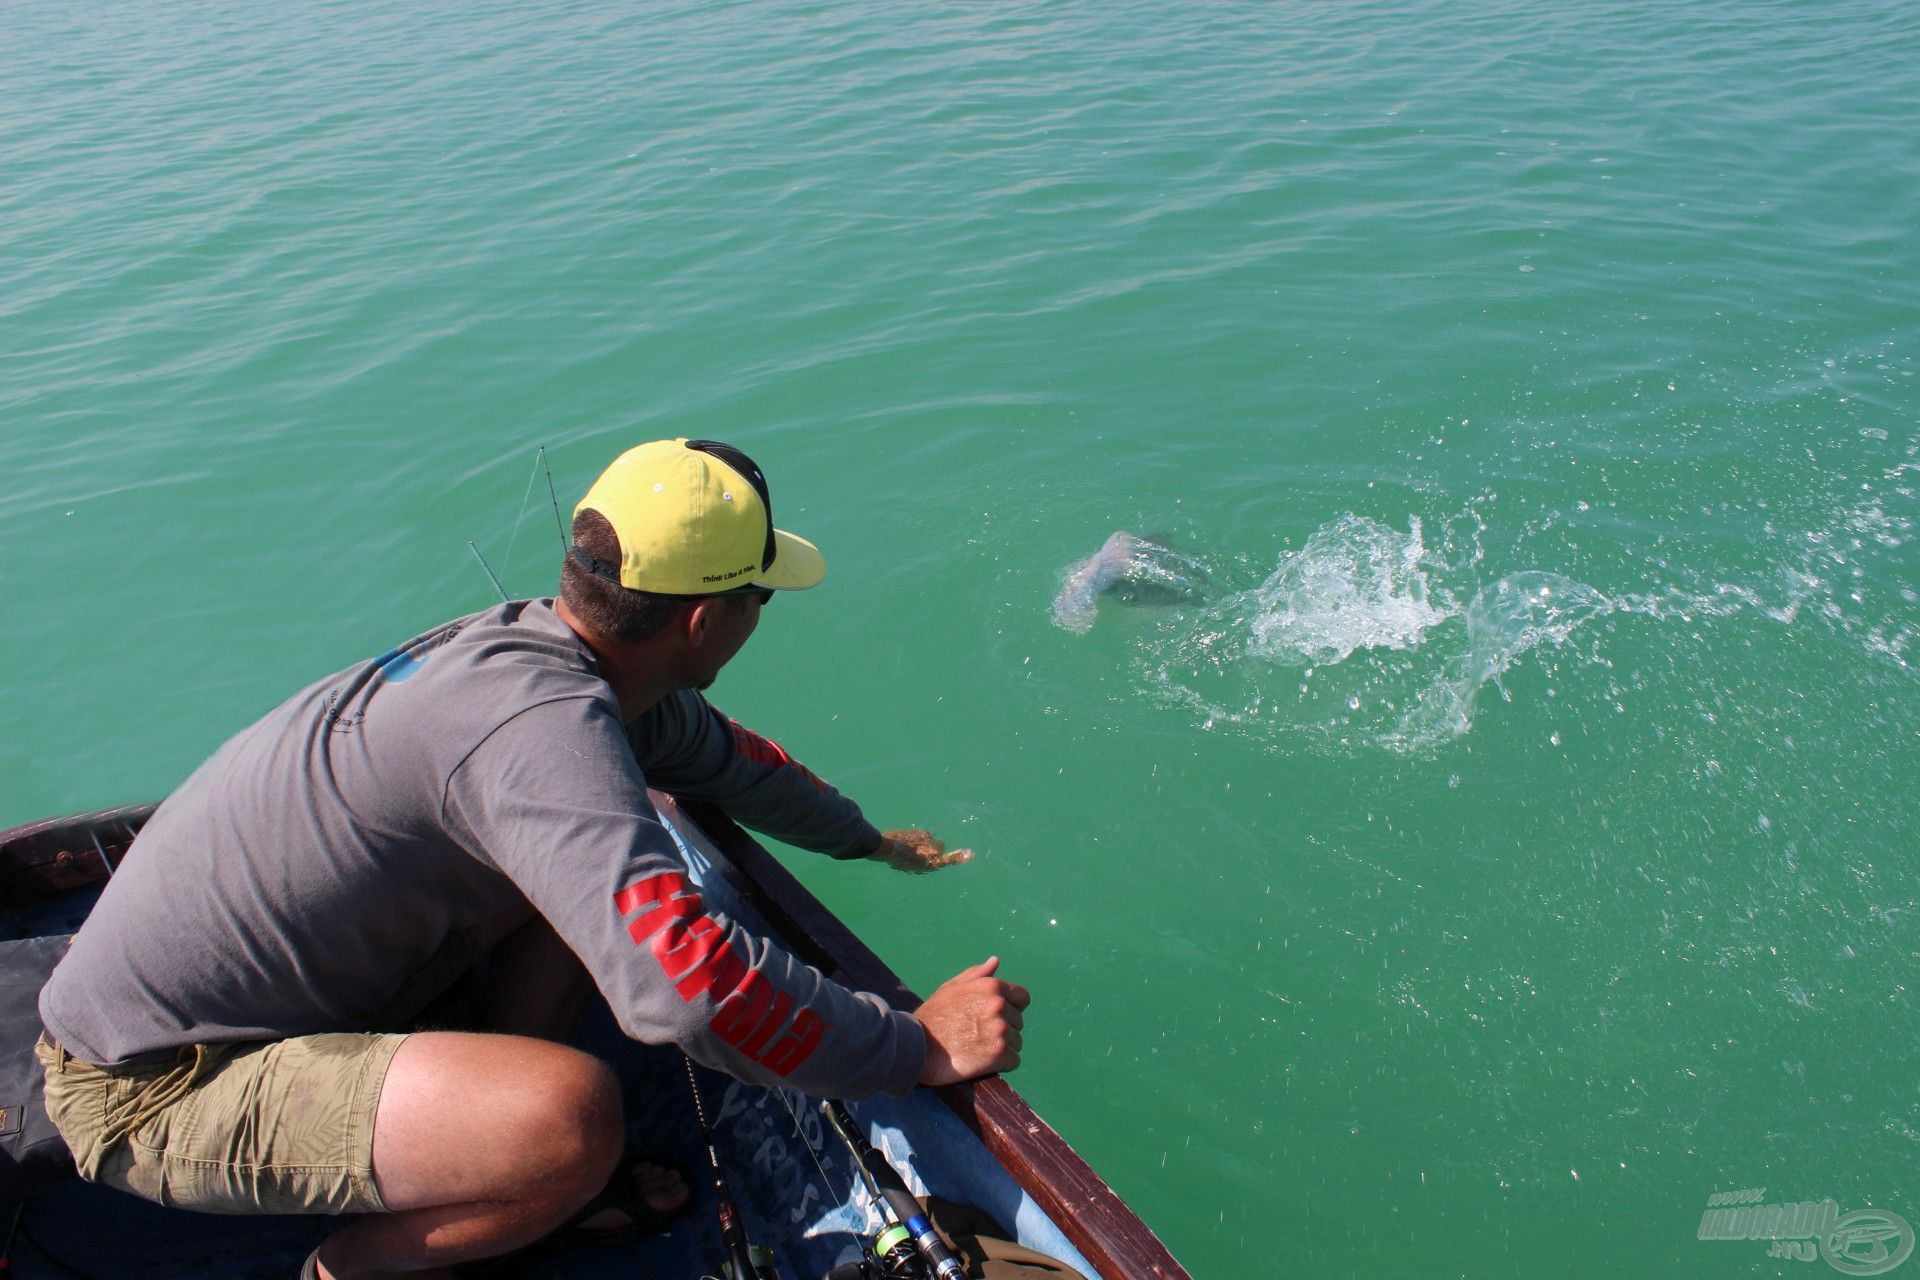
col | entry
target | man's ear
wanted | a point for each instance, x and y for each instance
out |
(697, 621)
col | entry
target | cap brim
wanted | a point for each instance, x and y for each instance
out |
(797, 564)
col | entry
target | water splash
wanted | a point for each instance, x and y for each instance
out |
(1356, 584)
(1350, 640)
(1518, 613)
(1847, 569)
(1357, 640)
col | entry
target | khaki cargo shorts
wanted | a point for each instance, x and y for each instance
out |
(282, 1126)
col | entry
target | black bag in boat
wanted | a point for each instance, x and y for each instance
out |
(32, 1153)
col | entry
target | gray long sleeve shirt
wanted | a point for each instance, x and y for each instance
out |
(299, 876)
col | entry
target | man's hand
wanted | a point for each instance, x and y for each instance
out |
(972, 1024)
(916, 851)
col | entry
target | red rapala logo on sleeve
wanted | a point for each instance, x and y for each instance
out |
(766, 751)
(692, 950)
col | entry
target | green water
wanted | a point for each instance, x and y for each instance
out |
(1513, 846)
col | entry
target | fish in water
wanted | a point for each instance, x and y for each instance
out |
(1131, 567)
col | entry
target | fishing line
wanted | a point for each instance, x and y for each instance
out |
(893, 1190)
(539, 466)
(874, 1198)
(539, 461)
(871, 1210)
(891, 1253)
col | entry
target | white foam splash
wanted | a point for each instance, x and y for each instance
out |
(1519, 612)
(1359, 586)
(1356, 641)
(1356, 584)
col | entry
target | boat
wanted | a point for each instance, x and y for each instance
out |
(793, 1179)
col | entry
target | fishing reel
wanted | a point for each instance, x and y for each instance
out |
(894, 1257)
(760, 1258)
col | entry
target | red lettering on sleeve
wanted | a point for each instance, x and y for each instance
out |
(680, 950)
(717, 979)
(690, 945)
(673, 920)
(768, 752)
(797, 1045)
(654, 888)
(782, 1006)
(668, 890)
(692, 950)
(735, 1020)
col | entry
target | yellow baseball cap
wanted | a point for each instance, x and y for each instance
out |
(694, 519)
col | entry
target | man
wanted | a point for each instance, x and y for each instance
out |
(227, 1031)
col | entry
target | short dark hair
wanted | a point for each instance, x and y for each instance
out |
(609, 609)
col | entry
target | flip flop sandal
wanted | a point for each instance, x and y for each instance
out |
(623, 1194)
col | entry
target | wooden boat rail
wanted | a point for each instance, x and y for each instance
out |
(50, 857)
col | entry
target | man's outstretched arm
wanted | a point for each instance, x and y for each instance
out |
(688, 748)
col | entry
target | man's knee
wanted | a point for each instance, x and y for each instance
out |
(470, 1117)
(584, 1127)
(554, 1106)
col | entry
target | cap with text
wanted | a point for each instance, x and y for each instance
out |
(694, 518)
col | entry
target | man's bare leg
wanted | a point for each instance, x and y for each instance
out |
(481, 1144)
(444, 1203)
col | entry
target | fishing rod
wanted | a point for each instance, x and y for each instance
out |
(744, 1261)
(892, 1192)
(894, 1255)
